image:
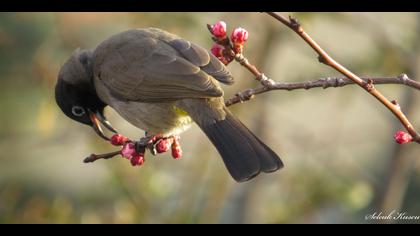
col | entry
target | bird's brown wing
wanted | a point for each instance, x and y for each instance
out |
(138, 66)
(202, 58)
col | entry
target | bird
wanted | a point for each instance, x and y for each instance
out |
(160, 83)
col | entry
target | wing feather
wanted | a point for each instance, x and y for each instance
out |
(138, 65)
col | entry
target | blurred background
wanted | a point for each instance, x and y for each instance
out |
(341, 162)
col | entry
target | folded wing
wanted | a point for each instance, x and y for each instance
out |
(154, 66)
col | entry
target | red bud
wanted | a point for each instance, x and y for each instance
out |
(137, 159)
(163, 145)
(176, 149)
(402, 137)
(217, 50)
(219, 30)
(239, 36)
(118, 140)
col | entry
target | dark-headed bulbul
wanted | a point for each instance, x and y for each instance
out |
(160, 83)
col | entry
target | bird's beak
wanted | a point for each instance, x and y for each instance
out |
(105, 122)
(97, 118)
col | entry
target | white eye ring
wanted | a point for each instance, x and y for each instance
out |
(78, 111)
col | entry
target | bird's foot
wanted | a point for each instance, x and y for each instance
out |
(148, 142)
(159, 144)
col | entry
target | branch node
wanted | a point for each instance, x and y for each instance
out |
(322, 60)
(329, 82)
(241, 59)
(245, 95)
(396, 104)
(369, 85)
(404, 78)
(265, 81)
(295, 24)
(341, 82)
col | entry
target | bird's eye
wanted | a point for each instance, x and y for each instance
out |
(78, 111)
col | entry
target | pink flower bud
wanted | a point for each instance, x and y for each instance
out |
(219, 30)
(163, 145)
(239, 36)
(137, 159)
(118, 140)
(217, 50)
(128, 150)
(402, 137)
(176, 149)
(177, 152)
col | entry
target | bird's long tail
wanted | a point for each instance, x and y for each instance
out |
(244, 155)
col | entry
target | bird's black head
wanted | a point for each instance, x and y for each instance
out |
(75, 93)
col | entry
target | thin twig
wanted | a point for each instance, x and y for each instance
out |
(329, 82)
(230, 54)
(94, 157)
(323, 57)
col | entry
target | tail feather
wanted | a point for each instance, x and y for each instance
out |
(270, 162)
(244, 155)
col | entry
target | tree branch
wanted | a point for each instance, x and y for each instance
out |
(368, 86)
(324, 83)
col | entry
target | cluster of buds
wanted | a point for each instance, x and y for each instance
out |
(402, 137)
(226, 48)
(128, 151)
(171, 143)
(136, 155)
